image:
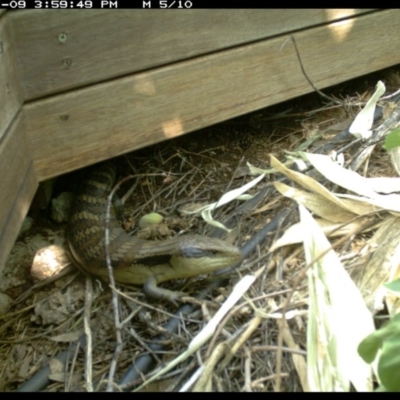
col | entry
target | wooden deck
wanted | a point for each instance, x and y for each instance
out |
(78, 87)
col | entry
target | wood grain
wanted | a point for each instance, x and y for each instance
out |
(18, 184)
(98, 45)
(85, 126)
(10, 94)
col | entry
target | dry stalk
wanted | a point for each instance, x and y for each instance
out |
(88, 333)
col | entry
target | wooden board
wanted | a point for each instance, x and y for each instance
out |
(84, 126)
(59, 51)
(10, 95)
(18, 184)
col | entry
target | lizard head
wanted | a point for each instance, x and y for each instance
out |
(195, 255)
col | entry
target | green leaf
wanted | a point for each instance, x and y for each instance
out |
(394, 286)
(392, 139)
(389, 364)
(369, 347)
(387, 338)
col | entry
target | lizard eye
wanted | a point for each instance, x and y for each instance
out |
(193, 252)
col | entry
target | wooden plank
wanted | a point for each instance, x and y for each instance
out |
(59, 51)
(18, 184)
(79, 128)
(10, 94)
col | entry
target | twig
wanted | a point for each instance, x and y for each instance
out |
(88, 333)
(198, 185)
(252, 326)
(68, 382)
(191, 177)
(206, 372)
(247, 371)
(309, 80)
(115, 302)
(275, 348)
(172, 188)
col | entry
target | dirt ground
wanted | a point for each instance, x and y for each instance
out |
(249, 351)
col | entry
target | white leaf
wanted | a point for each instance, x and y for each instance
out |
(234, 194)
(363, 122)
(338, 318)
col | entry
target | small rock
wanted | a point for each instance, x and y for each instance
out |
(61, 207)
(48, 261)
(5, 302)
